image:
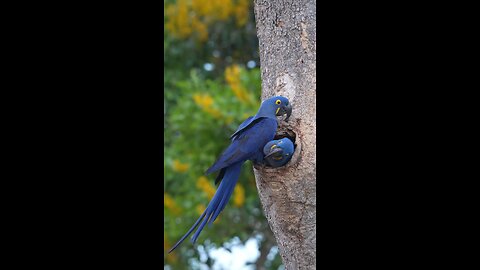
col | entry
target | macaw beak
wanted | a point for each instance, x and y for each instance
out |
(285, 110)
(276, 152)
(288, 110)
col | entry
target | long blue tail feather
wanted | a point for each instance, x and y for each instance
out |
(231, 176)
(224, 191)
(188, 233)
(217, 204)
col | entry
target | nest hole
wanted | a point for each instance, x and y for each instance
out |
(283, 132)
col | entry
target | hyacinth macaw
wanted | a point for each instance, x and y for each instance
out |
(278, 152)
(247, 144)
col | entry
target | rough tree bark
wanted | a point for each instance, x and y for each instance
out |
(286, 31)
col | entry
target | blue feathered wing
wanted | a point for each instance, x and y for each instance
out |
(247, 144)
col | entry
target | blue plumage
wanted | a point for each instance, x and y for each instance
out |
(247, 144)
(278, 152)
(279, 104)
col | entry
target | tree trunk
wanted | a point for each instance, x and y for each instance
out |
(287, 38)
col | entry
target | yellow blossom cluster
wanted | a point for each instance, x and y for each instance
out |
(200, 208)
(213, 10)
(205, 102)
(180, 167)
(182, 24)
(232, 76)
(170, 203)
(239, 196)
(192, 17)
(241, 12)
(206, 186)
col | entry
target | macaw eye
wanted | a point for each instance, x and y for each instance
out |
(278, 102)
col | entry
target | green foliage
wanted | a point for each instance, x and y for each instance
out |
(196, 137)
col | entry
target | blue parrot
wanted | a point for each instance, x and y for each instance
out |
(246, 144)
(278, 152)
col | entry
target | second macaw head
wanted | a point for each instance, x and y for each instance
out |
(275, 106)
(278, 152)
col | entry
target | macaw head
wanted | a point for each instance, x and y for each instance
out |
(278, 152)
(275, 106)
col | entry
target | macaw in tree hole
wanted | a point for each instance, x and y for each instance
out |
(278, 152)
(247, 143)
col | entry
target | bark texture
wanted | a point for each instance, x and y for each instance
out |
(287, 38)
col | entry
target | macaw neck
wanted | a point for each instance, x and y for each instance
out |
(265, 112)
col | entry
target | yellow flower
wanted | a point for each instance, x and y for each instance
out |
(201, 29)
(224, 9)
(170, 203)
(213, 10)
(232, 76)
(205, 102)
(178, 19)
(241, 12)
(206, 186)
(187, 17)
(179, 167)
(241, 93)
(200, 208)
(232, 73)
(239, 196)
(202, 7)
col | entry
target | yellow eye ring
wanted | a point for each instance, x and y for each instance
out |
(278, 101)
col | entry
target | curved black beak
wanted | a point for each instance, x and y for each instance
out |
(285, 110)
(288, 110)
(276, 152)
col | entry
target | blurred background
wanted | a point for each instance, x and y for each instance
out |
(211, 84)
